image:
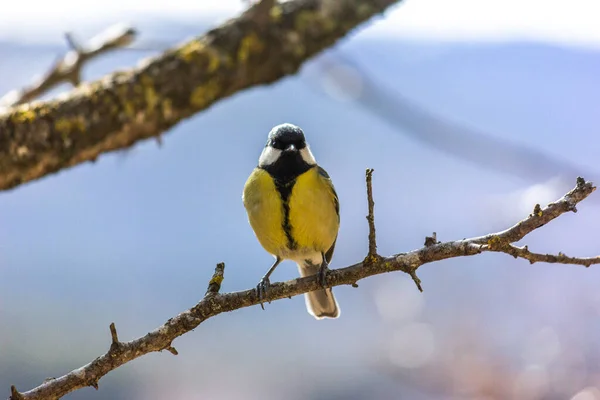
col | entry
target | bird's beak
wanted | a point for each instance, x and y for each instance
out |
(291, 147)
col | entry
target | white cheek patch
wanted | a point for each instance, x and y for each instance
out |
(307, 156)
(268, 156)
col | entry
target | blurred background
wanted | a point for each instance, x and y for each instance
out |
(470, 112)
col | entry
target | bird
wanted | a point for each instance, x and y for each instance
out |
(294, 211)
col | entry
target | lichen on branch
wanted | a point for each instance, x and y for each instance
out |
(268, 41)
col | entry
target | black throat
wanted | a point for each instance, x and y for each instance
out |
(284, 171)
(287, 168)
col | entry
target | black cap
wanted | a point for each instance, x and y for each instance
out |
(284, 135)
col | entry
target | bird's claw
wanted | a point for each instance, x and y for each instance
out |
(322, 274)
(261, 290)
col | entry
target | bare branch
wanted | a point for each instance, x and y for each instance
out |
(125, 107)
(541, 217)
(215, 282)
(14, 394)
(215, 303)
(523, 252)
(73, 43)
(113, 335)
(371, 215)
(68, 68)
(373, 256)
(431, 240)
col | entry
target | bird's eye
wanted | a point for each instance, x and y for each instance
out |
(277, 144)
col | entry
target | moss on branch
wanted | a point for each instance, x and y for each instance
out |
(256, 48)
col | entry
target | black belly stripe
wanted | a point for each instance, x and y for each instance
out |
(289, 166)
(285, 190)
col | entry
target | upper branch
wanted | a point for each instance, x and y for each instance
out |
(263, 44)
(215, 303)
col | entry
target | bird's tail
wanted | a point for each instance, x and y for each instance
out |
(320, 303)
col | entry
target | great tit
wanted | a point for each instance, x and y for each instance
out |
(294, 211)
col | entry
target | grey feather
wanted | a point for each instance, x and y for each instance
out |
(320, 303)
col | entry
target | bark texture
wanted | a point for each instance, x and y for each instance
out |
(265, 43)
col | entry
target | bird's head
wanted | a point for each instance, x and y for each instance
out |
(286, 143)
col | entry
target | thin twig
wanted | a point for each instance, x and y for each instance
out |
(431, 240)
(416, 280)
(113, 334)
(14, 393)
(371, 215)
(73, 43)
(541, 217)
(68, 68)
(212, 305)
(560, 258)
(214, 285)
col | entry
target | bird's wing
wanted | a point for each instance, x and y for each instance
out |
(324, 174)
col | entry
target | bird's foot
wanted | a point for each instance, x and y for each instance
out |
(261, 289)
(322, 274)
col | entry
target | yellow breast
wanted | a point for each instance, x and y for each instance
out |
(265, 211)
(313, 214)
(306, 224)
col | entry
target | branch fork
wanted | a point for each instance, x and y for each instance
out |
(214, 303)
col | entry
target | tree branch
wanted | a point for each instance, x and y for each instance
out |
(540, 216)
(68, 68)
(371, 215)
(215, 303)
(560, 258)
(259, 47)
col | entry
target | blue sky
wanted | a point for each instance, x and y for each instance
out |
(555, 21)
